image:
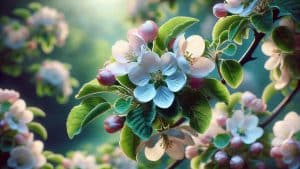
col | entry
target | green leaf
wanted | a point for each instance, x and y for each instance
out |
(170, 30)
(234, 99)
(4, 107)
(125, 82)
(263, 22)
(89, 88)
(208, 154)
(82, 115)
(47, 166)
(129, 142)
(243, 34)
(22, 12)
(223, 37)
(268, 92)
(293, 64)
(215, 88)
(283, 38)
(55, 158)
(290, 7)
(35, 6)
(140, 121)
(221, 140)
(122, 106)
(195, 162)
(230, 50)
(37, 128)
(223, 24)
(37, 112)
(232, 72)
(296, 136)
(200, 114)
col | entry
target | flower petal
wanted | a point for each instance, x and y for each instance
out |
(26, 117)
(235, 121)
(268, 48)
(183, 64)
(156, 152)
(139, 76)
(149, 61)
(145, 93)
(294, 120)
(273, 62)
(283, 80)
(120, 69)
(250, 121)
(176, 81)
(120, 50)
(176, 150)
(179, 45)
(234, 10)
(249, 9)
(168, 63)
(252, 135)
(202, 67)
(195, 46)
(164, 97)
(175, 133)
(136, 42)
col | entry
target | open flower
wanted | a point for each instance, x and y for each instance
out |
(15, 36)
(80, 161)
(171, 141)
(241, 7)
(156, 79)
(126, 53)
(244, 126)
(189, 53)
(62, 32)
(285, 129)
(290, 151)
(7, 95)
(46, 16)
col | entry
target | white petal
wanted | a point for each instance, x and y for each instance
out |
(183, 64)
(26, 117)
(156, 152)
(235, 121)
(252, 135)
(249, 9)
(120, 69)
(120, 50)
(195, 46)
(164, 97)
(150, 61)
(168, 63)
(282, 130)
(250, 121)
(175, 133)
(268, 48)
(179, 45)
(176, 81)
(136, 42)
(202, 67)
(144, 93)
(234, 10)
(294, 120)
(37, 146)
(18, 107)
(176, 150)
(273, 62)
(283, 80)
(139, 76)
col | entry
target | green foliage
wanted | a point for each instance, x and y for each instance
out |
(195, 162)
(125, 82)
(215, 88)
(122, 105)
(22, 13)
(291, 8)
(34, 6)
(55, 158)
(170, 30)
(129, 142)
(293, 65)
(4, 107)
(140, 120)
(221, 140)
(233, 101)
(283, 38)
(230, 50)
(223, 24)
(91, 87)
(208, 154)
(38, 129)
(268, 92)
(47, 166)
(37, 112)
(232, 72)
(263, 22)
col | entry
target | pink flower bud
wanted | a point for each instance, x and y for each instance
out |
(105, 158)
(257, 105)
(256, 148)
(148, 31)
(113, 123)
(247, 98)
(191, 152)
(221, 157)
(236, 142)
(221, 120)
(24, 138)
(276, 153)
(237, 162)
(219, 10)
(206, 139)
(66, 163)
(196, 83)
(261, 165)
(106, 77)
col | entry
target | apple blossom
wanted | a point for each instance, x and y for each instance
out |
(219, 10)
(46, 17)
(247, 98)
(7, 95)
(237, 162)
(189, 53)
(21, 158)
(106, 77)
(241, 7)
(24, 138)
(79, 160)
(62, 32)
(290, 150)
(191, 151)
(276, 152)
(244, 126)
(15, 36)
(258, 105)
(148, 30)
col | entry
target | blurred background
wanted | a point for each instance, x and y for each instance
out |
(94, 27)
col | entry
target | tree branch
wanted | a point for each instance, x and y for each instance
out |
(174, 164)
(281, 105)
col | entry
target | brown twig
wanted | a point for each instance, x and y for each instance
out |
(174, 164)
(281, 105)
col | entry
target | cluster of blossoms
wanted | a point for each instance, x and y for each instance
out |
(242, 132)
(79, 160)
(56, 75)
(15, 35)
(18, 147)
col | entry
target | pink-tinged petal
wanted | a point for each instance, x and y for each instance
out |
(18, 107)
(179, 45)
(268, 48)
(150, 62)
(139, 76)
(195, 46)
(121, 50)
(282, 130)
(176, 150)
(136, 42)
(284, 79)
(294, 120)
(26, 117)
(156, 152)
(273, 62)
(202, 67)
(120, 69)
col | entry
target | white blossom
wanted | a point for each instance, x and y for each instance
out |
(15, 36)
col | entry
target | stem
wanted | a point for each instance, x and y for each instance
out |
(174, 164)
(281, 105)
(178, 123)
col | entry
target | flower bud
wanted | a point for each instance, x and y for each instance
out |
(219, 10)
(113, 123)
(148, 30)
(257, 105)
(196, 83)
(247, 98)
(236, 142)
(221, 157)
(191, 152)
(66, 163)
(276, 152)
(256, 148)
(106, 77)
(221, 120)
(237, 162)
(290, 148)
(24, 138)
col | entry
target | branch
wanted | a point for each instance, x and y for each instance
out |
(174, 164)
(281, 105)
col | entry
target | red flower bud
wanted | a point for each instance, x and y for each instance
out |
(106, 77)
(236, 142)
(148, 31)
(221, 157)
(219, 10)
(113, 123)
(237, 162)
(256, 148)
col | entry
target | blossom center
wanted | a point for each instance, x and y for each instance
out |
(188, 56)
